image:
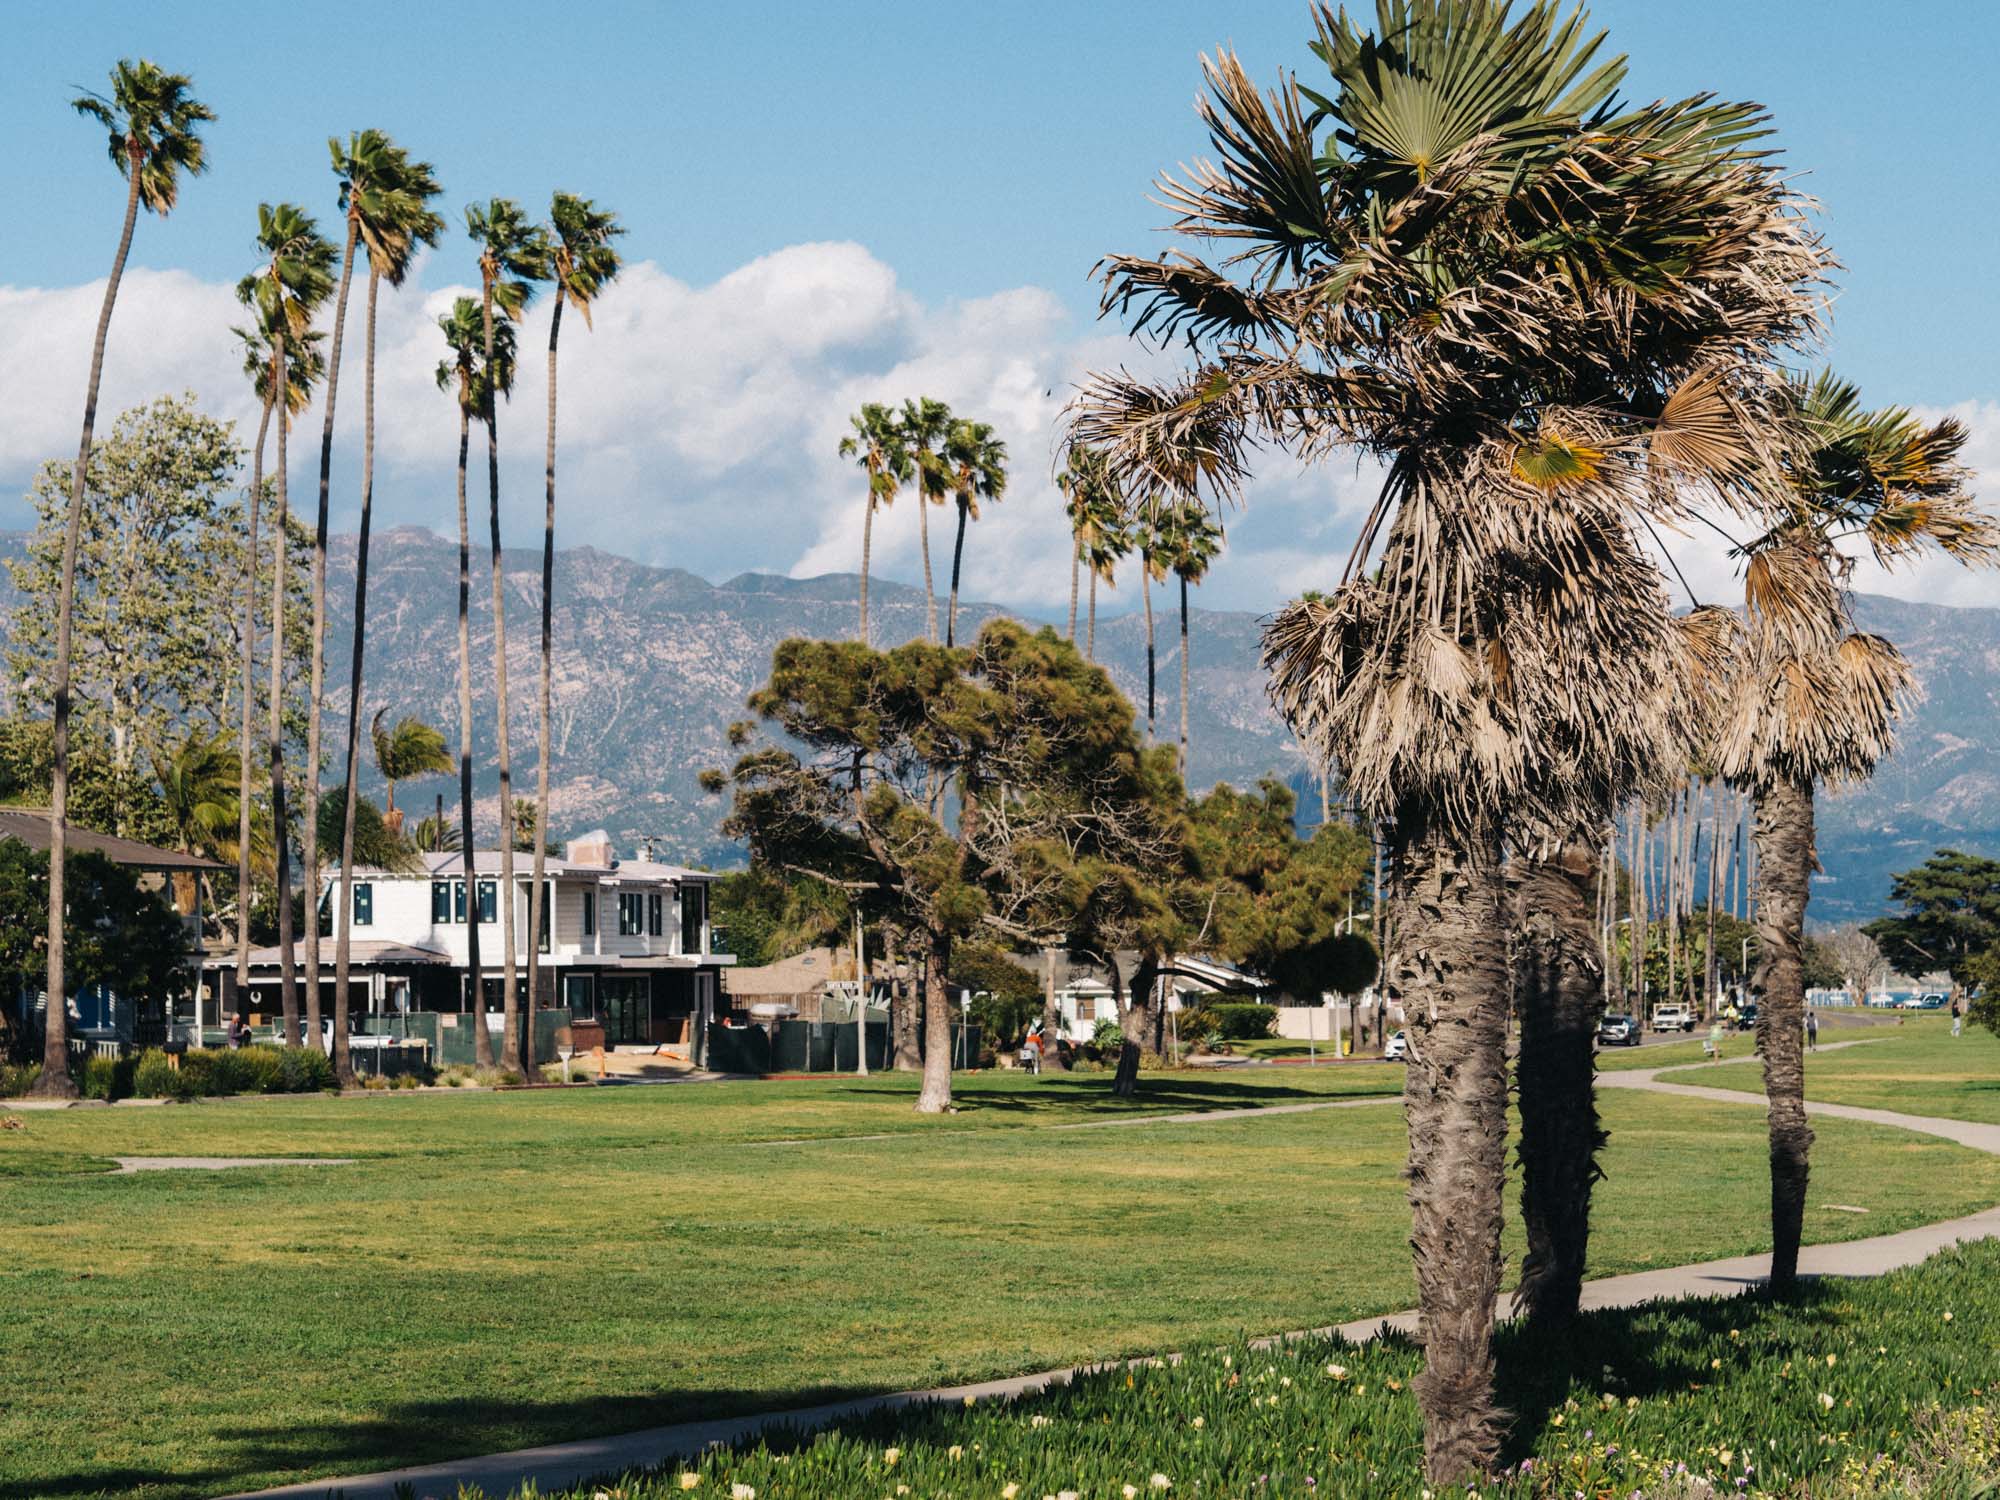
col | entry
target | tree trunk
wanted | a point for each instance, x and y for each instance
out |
(1075, 565)
(1090, 628)
(1187, 769)
(1051, 1014)
(904, 1057)
(1785, 859)
(867, 544)
(538, 915)
(55, 1080)
(510, 999)
(1559, 978)
(244, 756)
(343, 1064)
(1451, 977)
(935, 1096)
(1136, 1025)
(1152, 710)
(957, 556)
(924, 540)
(482, 1039)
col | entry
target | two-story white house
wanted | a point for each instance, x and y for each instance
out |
(628, 942)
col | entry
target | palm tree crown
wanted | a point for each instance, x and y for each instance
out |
(514, 252)
(386, 198)
(305, 364)
(297, 274)
(466, 368)
(408, 749)
(977, 463)
(581, 256)
(154, 129)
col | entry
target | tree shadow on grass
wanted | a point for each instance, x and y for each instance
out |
(1091, 1095)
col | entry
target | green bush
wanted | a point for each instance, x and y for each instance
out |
(1108, 1034)
(209, 1073)
(17, 1078)
(1195, 1026)
(1239, 1022)
(106, 1078)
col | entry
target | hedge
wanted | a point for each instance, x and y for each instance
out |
(1240, 1022)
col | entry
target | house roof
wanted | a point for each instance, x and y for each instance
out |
(30, 825)
(487, 862)
(371, 953)
(800, 974)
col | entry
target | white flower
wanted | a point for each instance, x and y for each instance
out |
(1038, 1420)
(1947, 1317)
(742, 1492)
(1826, 1401)
(1829, 1361)
(954, 1452)
(1160, 1482)
(1130, 1492)
(890, 1455)
(1066, 1495)
(1284, 1380)
(1338, 1372)
(1010, 1491)
(902, 1489)
(690, 1481)
(1199, 1423)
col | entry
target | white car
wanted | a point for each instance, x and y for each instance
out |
(1397, 1048)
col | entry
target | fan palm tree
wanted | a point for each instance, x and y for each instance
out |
(513, 256)
(1816, 701)
(583, 262)
(287, 291)
(924, 426)
(308, 366)
(436, 835)
(1083, 476)
(408, 749)
(1192, 544)
(476, 382)
(1107, 537)
(977, 462)
(386, 197)
(153, 122)
(1548, 313)
(1152, 543)
(876, 444)
(200, 794)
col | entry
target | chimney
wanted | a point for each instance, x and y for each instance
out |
(594, 848)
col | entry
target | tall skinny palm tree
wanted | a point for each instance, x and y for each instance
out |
(308, 366)
(387, 199)
(1153, 543)
(876, 444)
(1817, 701)
(1084, 475)
(977, 462)
(924, 425)
(582, 262)
(513, 256)
(1194, 542)
(476, 384)
(1106, 539)
(287, 291)
(153, 122)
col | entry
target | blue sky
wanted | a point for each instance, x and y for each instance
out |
(973, 151)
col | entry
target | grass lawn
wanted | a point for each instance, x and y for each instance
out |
(1918, 1068)
(505, 1269)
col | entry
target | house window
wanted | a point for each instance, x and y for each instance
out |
(364, 903)
(1086, 1010)
(694, 914)
(631, 913)
(590, 913)
(458, 901)
(489, 901)
(440, 903)
(548, 914)
(653, 904)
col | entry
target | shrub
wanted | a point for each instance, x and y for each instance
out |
(303, 1070)
(106, 1078)
(1108, 1034)
(215, 1073)
(17, 1078)
(1195, 1026)
(1238, 1022)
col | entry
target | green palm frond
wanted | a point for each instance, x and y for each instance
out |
(153, 122)
(582, 259)
(514, 253)
(466, 369)
(386, 197)
(1553, 462)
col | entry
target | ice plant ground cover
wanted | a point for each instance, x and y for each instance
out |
(501, 1270)
(1882, 1387)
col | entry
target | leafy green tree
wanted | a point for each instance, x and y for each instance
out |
(1983, 974)
(876, 445)
(154, 124)
(1545, 311)
(386, 198)
(1817, 701)
(1950, 916)
(582, 263)
(977, 463)
(513, 256)
(477, 381)
(1005, 996)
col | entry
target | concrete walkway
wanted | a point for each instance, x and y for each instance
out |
(559, 1465)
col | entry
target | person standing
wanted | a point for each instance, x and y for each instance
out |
(1812, 1029)
(1714, 1045)
(1957, 1016)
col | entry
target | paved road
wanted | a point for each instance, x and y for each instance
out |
(560, 1464)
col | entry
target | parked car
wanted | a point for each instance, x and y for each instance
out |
(1397, 1048)
(1932, 1001)
(1618, 1031)
(1672, 1016)
(1746, 1018)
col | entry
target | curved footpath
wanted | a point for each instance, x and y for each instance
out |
(558, 1465)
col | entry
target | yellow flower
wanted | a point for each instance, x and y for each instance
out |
(1160, 1482)
(1010, 1491)
(1715, 1364)
(1284, 1380)
(1725, 1455)
(1130, 1492)
(1947, 1317)
(1038, 1420)
(1829, 1361)
(890, 1455)
(1200, 1422)
(690, 1481)
(954, 1453)
(1066, 1495)
(1554, 1421)
(1395, 1385)
(902, 1489)
(1338, 1372)
(1734, 1334)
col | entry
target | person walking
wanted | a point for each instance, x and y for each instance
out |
(1713, 1046)
(1957, 1017)
(1812, 1030)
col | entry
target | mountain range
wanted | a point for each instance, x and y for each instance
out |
(653, 664)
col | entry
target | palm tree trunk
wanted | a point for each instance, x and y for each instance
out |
(957, 555)
(343, 1068)
(1187, 769)
(1451, 978)
(902, 1019)
(1784, 848)
(924, 539)
(1075, 567)
(249, 653)
(55, 1080)
(1146, 593)
(1090, 628)
(1559, 977)
(274, 734)
(482, 1040)
(867, 544)
(1709, 970)
(935, 1096)
(510, 999)
(538, 917)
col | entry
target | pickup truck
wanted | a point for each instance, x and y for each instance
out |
(1672, 1017)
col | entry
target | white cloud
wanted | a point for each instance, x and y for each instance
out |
(699, 424)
